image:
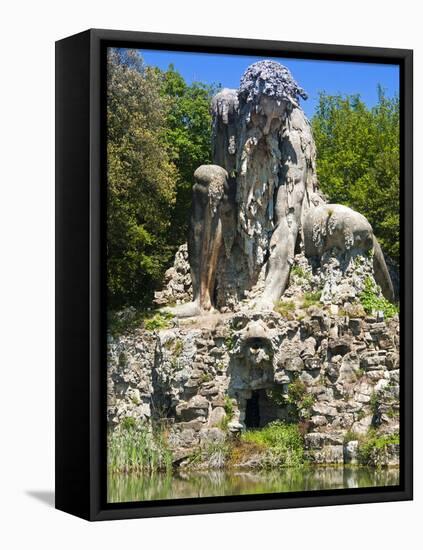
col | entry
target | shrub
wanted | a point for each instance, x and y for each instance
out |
(285, 308)
(230, 342)
(205, 377)
(159, 321)
(175, 345)
(372, 300)
(220, 367)
(373, 448)
(296, 391)
(282, 443)
(228, 406)
(361, 414)
(299, 399)
(128, 423)
(298, 271)
(277, 396)
(311, 299)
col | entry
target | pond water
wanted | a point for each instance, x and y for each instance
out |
(129, 488)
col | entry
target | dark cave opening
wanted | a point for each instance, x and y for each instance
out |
(260, 410)
(252, 411)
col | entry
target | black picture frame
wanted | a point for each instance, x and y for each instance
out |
(80, 274)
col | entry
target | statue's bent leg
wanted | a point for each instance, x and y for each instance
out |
(282, 249)
(282, 244)
(205, 237)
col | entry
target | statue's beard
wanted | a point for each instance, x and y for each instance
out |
(272, 134)
(257, 181)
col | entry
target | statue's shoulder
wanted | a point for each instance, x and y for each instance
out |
(298, 120)
(225, 103)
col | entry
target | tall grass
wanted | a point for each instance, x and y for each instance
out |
(132, 447)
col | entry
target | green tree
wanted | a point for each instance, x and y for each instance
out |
(358, 160)
(188, 135)
(141, 180)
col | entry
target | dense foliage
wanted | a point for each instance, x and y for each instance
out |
(188, 136)
(158, 133)
(358, 160)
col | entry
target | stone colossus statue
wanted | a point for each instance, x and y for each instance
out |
(260, 198)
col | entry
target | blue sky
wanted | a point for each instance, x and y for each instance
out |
(330, 76)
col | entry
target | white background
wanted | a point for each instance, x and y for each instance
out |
(29, 29)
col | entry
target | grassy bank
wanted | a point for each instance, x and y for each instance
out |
(136, 448)
(277, 445)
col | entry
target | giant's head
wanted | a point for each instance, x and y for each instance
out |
(267, 93)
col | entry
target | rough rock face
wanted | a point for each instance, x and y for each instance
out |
(334, 372)
(177, 281)
(130, 365)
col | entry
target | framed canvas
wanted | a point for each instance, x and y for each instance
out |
(233, 274)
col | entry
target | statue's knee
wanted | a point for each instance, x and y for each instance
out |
(213, 175)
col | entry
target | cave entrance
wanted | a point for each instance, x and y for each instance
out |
(252, 411)
(260, 410)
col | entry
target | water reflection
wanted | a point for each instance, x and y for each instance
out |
(127, 488)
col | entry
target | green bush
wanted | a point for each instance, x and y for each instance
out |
(285, 308)
(174, 345)
(230, 342)
(205, 377)
(299, 399)
(311, 299)
(229, 407)
(159, 321)
(372, 448)
(298, 271)
(282, 444)
(128, 423)
(372, 300)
